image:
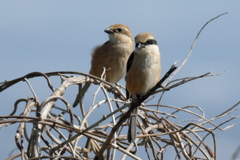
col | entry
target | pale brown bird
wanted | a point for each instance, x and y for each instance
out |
(112, 55)
(143, 72)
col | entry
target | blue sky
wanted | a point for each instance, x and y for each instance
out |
(59, 35)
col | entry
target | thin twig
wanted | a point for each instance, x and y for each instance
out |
(192, 46)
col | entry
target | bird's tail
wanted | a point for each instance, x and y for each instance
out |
(132, 126)
(81, 94)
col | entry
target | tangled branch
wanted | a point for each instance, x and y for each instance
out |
(61, 132)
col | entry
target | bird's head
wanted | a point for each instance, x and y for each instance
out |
(144, 39)
(119, 33)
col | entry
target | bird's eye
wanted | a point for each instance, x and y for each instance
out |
(119, 30)
(148, 41)
(151, 41)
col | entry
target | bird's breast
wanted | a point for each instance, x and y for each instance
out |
(143, 74)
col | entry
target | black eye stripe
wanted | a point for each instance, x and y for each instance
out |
(149, 42)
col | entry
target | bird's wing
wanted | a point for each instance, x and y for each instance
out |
(130, 61)
(129, 64)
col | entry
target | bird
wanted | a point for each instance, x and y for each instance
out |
(143, 73)
(113, 55)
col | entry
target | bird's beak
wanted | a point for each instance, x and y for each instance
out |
(140, 45)
(109, 31)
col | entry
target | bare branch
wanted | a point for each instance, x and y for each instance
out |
(192, 46)
(60, 132)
